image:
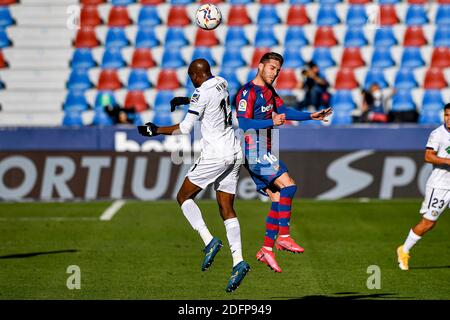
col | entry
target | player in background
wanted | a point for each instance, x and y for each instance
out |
(219, 163)
(259, 107)
(437, 194)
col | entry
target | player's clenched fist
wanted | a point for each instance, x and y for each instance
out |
(149, 130)
(278, 119)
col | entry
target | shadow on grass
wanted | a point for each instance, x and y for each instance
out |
(347, 296)
(432, 267)
(33, 254)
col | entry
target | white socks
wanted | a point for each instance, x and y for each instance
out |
(234, 239)
(410, 241)
(192, 212)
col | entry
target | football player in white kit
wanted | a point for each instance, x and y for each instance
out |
(437, 197)
(219, 163)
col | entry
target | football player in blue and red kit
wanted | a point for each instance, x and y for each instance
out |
(259, 109)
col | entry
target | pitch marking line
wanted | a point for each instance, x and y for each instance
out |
(112, 210)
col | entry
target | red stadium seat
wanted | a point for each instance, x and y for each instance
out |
(89, 16)
(351, 58)
(151, 2)
(359, 1)
(167, 80)
(118, 17)
(238, 16)
(441, 58)
(205, 38)
(211, 1)
(7, 2)
(109, 80)
(325, 37)
(86, 38)
(414, 37)
(388, 15)
(418, 1)
(286, 80)
(178, 17)
(444, 1)
(142, 59)
(3, 62)
(434, 79)
(297, 16)
(136, 100)
(270, 1)
(92, 1)
(257, 55)
(345, 80)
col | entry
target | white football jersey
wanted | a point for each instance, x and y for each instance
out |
(439, 141)
(211, 103)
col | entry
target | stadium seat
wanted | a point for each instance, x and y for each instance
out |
(268, 1)
(442, 37)
(384, 37)
(388, 15)
(322, 57)
(83, 59)
(416, 15)
(257, 55)
(162, 100)
(327, 15)
(95, 2)
(294, 2)
(434, 79)
(89, 16)
(341, 117)
(403, 101)
(167, 80)
(432, 99)
(375, 75)
(172, 58)
(267, 14)
(72, 118)
(443, 15)
(431, 116)
(324, 37)
(295, 37)
(414, 37)
(118, 17)
(356, 15)
(3, 62)
(75, 101)
(404, 79)
(417, 1)
(8, 2)
(136, 99)
(265, 37)
(359, 1)
(297, 16)
(122, 2)
(292, 58)
(240, 2)
(345, 79)
(116, 38)
(205, 38)
(238, 16)
(441, 58)
(232, 58)
(79, 80)
(162, 119)
(104, 99)
(109, 80)
(86, 38)
(148, 17)
(329, 1)
(178, 17)
(389, 1)
(101, 118)
(412, 58)
(236, 37)
(205, 53)
(354, 37)
(233, 82)
(351, 58)
(146, 38)
(342, 100)
(138, 80)
(181, 2)
(113, 59)
(6, 19)
(151, 2)
(251, 74)
(381, 58)
(142, 59)
(287, 80)
(4, 40)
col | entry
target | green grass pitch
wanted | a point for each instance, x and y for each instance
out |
(149, 251)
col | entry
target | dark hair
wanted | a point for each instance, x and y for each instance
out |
(447, 106)
(271, 56)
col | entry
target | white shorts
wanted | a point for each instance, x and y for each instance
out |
(223, 173)
(435, 202)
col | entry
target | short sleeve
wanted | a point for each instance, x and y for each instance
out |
(433, 141)
(198, 104)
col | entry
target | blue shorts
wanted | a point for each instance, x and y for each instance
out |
(264, 172)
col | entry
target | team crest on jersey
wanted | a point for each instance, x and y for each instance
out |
(242, 105)
(195, 97)
(434, 213)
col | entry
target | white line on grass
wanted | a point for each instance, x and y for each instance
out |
(112, 210)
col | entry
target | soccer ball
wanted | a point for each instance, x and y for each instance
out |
(208, 16)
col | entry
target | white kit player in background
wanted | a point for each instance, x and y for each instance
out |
(219, 163)
(437, 197)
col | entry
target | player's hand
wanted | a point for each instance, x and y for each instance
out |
(178, 101)
(149, 130)
(321, 115)
(278, 119)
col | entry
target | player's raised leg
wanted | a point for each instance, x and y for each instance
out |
(192, 212)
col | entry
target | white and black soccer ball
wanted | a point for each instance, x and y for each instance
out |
(208, 16)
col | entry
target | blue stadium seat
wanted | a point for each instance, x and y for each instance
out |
(162, 118)
(5, 17)
(79, 80)
(265, 37)
(430, 116)
(172, 58)
(403, 101)
(175, 37)
(122, 2)
(412, 58)
(292, 57)
(251, 74)
(443, 15)
(375, 75)
(138, 80)
(72, 118)
(116, 38)
(295, 37)
(101, 118)
(327, 15)
(416, 15)
(146, 38)
(381, 58)
(136, 118)
(162, 100)
(329, 1)
(267, 15)
(189, 86)
(205, 53)
(236, 37)
(354, 37)
(229, 74)
(384, 37)
(148, 17)
(181, 2)
(4, 40)
(342, 100)
(75, 101)
(234, 2)
(341, 117)
(232, 58)
(432, 99)
(404, 79)
(441, 36)
(356, 15)
(388, 1)
(322, 57)
(300, 1)
(104, 99)
(113, 59)
(83, 59)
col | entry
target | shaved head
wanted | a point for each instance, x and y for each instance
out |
(199, 71)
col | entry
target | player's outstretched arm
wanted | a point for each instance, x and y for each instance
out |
(321, 115)
(151, 130)
(292, 114)
(432, 157)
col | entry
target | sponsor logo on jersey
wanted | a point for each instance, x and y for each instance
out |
(267, 108)
(242, 105)
(448, 150)
(195, 97)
